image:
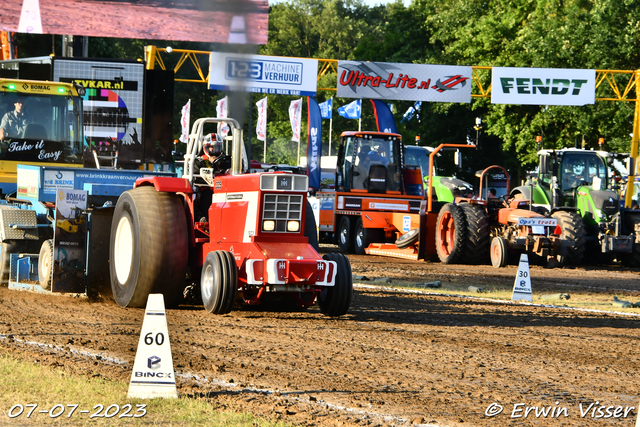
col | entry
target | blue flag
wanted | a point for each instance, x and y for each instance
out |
(384, 119)
(351, 111)
(314, 143)
(408, 115)
(326, 108)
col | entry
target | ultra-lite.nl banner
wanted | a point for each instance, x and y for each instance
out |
(411, 82)
(275, 75)
(542, 86)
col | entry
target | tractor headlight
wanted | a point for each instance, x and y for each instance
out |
(602, 215)
(293, 226)
(268, 225)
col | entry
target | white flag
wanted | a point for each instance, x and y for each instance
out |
(295, 116)
(261, 127)
(222, 110)
(184, 121)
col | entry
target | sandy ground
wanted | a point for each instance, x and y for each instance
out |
(395, 359)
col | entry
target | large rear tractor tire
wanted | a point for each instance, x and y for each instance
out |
(149, 248)
(630, 223)
(219, 282)
(335, 300)
(365, 236)
(499, 252)
(451, 232)
(345, 235)
(45, 265)
(573, 239)
(476, 249)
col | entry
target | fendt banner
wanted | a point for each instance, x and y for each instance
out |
(409, 82)
(263, 74)
(543, 86)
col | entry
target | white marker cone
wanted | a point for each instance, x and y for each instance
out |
(153, 374)
(30, 17)
(522, 284)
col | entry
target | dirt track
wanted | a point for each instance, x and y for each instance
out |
(395, 359)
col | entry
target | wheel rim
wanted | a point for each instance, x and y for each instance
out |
(206, 284)
(343, 236)
(447, 231)
(360, 238)
(495, 253)
(123, 253)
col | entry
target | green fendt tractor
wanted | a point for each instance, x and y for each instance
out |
(574, 186)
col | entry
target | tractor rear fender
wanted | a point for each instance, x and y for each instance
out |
(166, 184)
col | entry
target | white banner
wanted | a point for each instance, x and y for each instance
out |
(411, 82)
(295, 116)
(222, 111)
(542, 86)
(184, 122)
(263, 74)
(261, 127)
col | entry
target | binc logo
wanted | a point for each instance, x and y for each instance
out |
(153, 362)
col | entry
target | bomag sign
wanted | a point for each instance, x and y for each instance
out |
(543, 86)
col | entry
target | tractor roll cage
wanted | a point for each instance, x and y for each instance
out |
(194, 146)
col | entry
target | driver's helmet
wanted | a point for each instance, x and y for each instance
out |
(212, 145)
(578, 167)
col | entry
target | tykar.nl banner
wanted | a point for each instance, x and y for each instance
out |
(411, 82)
(543, 86)
(263, 74)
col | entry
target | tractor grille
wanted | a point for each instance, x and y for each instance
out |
(282, 208)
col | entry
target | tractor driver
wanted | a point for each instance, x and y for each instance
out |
(214, 154)
(573, 173)
(14, 122)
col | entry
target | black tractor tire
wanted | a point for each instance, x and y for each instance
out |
(633, 259)
(408, 238)
(499, 252)
(310, 229)
(476, 250)
(451, 232)
(335, 300)
(149, 247)
(45, 265)
(365, 236)
(219, 282)
(573, 239)
(345, 235)
(6, 249)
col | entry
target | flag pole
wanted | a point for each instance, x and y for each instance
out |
(330, 124)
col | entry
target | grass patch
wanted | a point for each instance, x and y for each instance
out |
(24, 383)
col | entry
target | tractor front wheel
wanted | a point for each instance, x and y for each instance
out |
(219, 282)
(451, 231)
(499, 252)
(45, 265)
(335, 300)
(149, 247)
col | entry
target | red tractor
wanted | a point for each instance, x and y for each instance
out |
(234, 235)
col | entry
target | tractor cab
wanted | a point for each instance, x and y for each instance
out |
(370, 162)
